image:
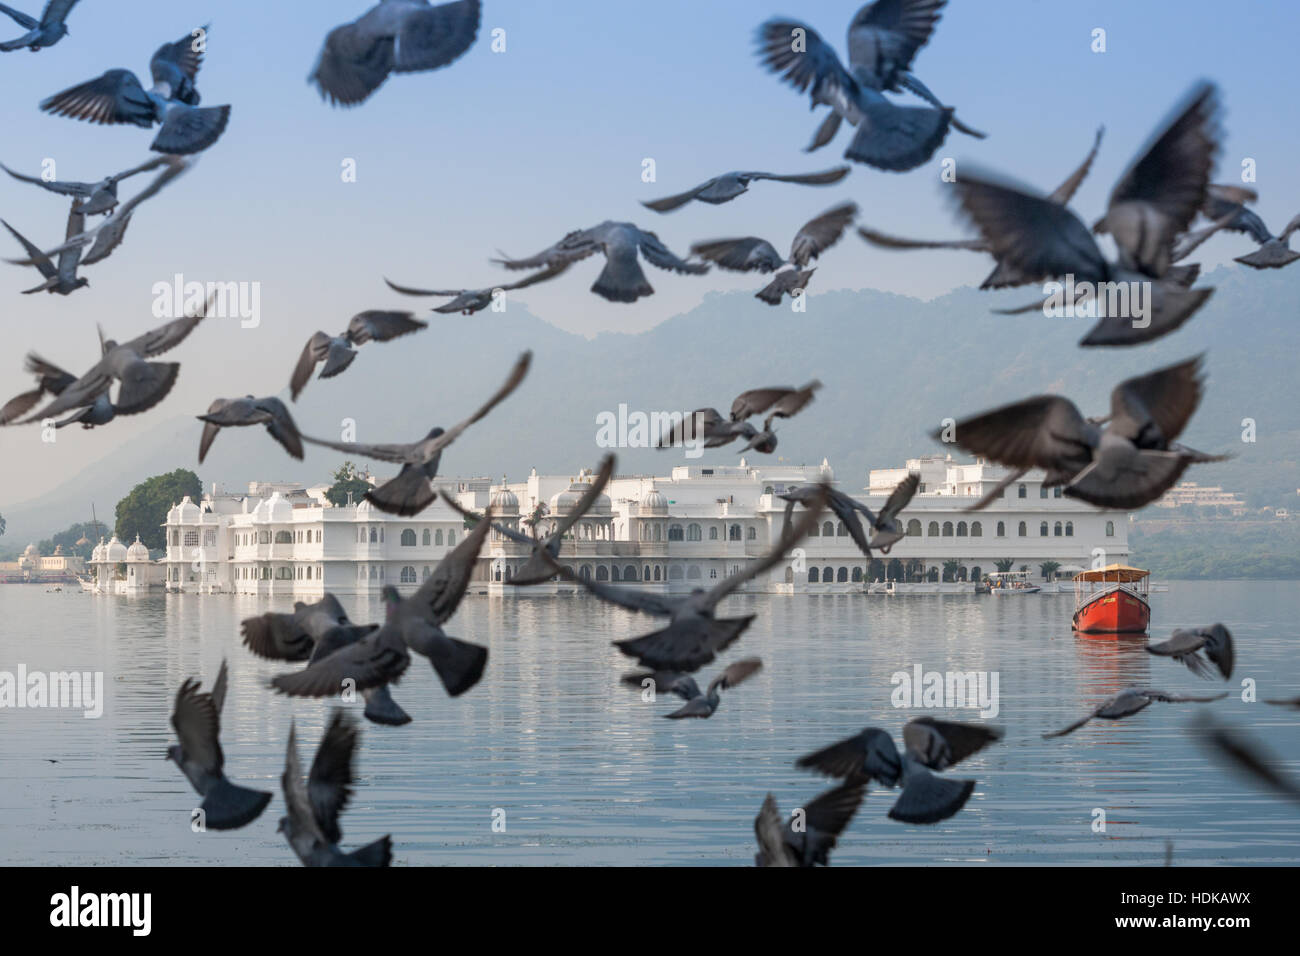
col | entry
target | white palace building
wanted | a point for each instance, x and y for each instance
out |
(673, 533)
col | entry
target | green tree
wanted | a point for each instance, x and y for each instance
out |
(144, 510)
(950, 569)
(71, 540)
(1048, 568)
(1005, 564)
(347, 480)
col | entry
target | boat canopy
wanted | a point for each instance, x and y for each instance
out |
(1116, 573)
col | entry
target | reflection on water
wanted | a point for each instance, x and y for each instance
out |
(587, 773)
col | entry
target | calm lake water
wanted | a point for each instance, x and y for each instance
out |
(588, 773)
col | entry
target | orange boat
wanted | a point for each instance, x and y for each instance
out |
(1112, 600)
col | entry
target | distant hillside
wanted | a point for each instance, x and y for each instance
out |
(1219, 549)
(892, 366)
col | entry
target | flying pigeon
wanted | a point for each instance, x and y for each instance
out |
(197, 720)
(1002, 275)
(751, 254)
(928, 744)
(311, 633)
(395, 36)
(336, 350)
(728, 186)
(694, 636)
(173, 100)
(539, 567)
(701, 704)
(1129, 702)
(622, 279)
(1186, 646)
(93, 199)
(61, 277)
(50, 380)
(412, 624)
(808, 837)
(142, 385)
(1247, 756)
(469, 301)
(311, 823)
(46, 31)
(1129, 463)
(239, 412)
(411, 491)
(887, 529)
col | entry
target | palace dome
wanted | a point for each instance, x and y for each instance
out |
(115, 551)
(187, 512)
(504, 501)
(654, 502)
(566, 501)
(274, 508)
(137, 551)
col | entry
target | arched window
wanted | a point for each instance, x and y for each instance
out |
(408, 538)
(961, 529)
(812, 575)
(426, 539)
(408, 572)
(933, 529)
(675, 572)
(645, 575)
(281, 537)
(828, 530)
(602, 573)
(828, 575)
(842, 575)
(733, 533)
(1022, 531)
(629, 573)
(1002, 529)
(840, 530)
(976, 573)
(914, 528)
(584, 572)
(424, 573)
(613, 572)
(657, 531)
(693, 572)
(656, 572)
(713, 534)
(1042, 491)
(1022, 493)
(437, 537)
(675, 533)
(713, 574)
(1057, 530)
(451, 538)
(947, 529)
(976, 529)
(1110, 529)
(1042, 529)
(374, 535)
(1069, 529)
(1056, 492)
(693, 532)
(857, 574)
(751, 533)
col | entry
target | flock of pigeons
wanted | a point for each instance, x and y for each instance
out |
(1124, 460)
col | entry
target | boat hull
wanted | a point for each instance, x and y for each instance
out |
(1115, 612)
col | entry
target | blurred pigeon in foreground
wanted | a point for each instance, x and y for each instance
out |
(694, 635)
(1185, 647)
(539, 568)
(412, 624)
(1128, 464)
(622, 279)
(1246, 756)
(469, 301)
(1274, 251)
(239, 412)
(396, 36)
(50, 380)
(142, 384)
(728, 186)
(810, 834)
(1002, 275)
(751, 254)
(412, 491)
(701, 704)
(197, 720)
(312, 823)
(928, 744)
(373, 325)
(46, 31)
(173, 100)
(1129, 702)
(93, 198)
(311, 633)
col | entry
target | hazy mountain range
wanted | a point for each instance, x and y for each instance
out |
(892, 367)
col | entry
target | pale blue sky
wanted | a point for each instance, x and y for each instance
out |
(512, 150)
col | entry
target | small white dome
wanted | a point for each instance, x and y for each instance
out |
(115, 550)
(187, 512)
(137, 551)
(97, 550)
(505, 502)
(566, 501)
(30, 551)
(826, 471)
(654, 502)
(274, 508)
